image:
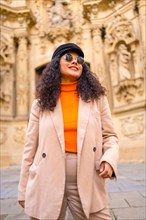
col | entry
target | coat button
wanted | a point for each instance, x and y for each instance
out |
(43, 155)
(94, 149)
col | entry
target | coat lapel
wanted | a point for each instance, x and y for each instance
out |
(83, 116)
(57, 119)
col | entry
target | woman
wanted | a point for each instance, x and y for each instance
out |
(71, 146)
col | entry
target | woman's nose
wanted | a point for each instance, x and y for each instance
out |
(74, 60)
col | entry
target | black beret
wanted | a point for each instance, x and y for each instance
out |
(62, 49)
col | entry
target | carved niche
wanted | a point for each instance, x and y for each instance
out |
(6, 74)
(125, 65)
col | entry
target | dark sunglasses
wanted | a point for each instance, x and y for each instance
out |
(68, 57)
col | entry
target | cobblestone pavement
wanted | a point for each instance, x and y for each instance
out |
(126, 195)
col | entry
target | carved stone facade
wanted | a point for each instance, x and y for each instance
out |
(112, 35)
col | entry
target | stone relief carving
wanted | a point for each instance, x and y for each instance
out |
(22, 45)
(22, 17)
(59, 21)
(129, 89)
(6, 74)
(6, 1)
(90, 10)
(126, 91)
(54, 21)
(92, 7)
(36, 8)
(3, 136)
(19, 134)
(118, 30)
(132, 126)
(123, 49)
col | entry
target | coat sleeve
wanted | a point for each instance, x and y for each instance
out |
(30, 148)
(109, 136)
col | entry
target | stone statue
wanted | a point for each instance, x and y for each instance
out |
(124, 57)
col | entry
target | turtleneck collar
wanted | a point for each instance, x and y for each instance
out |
(69, 87)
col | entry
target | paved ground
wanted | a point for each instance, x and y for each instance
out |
(126, 195)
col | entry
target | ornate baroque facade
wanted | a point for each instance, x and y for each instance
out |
(112, 35)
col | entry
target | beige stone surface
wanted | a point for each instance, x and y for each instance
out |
(112, 36)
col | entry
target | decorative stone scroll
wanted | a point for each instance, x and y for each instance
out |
(128, 90)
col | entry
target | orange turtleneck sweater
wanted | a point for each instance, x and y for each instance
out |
(69, 103)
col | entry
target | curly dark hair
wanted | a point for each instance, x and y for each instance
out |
(48, 91)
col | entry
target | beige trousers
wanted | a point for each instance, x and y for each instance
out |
(71, 196)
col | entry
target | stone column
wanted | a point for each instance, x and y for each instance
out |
(22, 83)
(84, 39)
(98, 50)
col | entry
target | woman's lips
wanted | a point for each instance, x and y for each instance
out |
(73, 68)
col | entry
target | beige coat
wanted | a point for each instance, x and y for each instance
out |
(42, 179)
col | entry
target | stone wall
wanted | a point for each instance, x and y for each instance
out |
(112, 35)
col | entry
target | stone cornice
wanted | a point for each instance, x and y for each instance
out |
(8, 13)
(93, 7)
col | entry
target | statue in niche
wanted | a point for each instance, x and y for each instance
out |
(124, 57)
(125, 62)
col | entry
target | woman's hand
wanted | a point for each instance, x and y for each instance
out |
(22, 203)
(105, 170)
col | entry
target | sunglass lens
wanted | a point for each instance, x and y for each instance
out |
(80, 60)
(68, 57)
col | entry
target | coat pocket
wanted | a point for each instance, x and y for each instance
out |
(33, 170)
(97, 165)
